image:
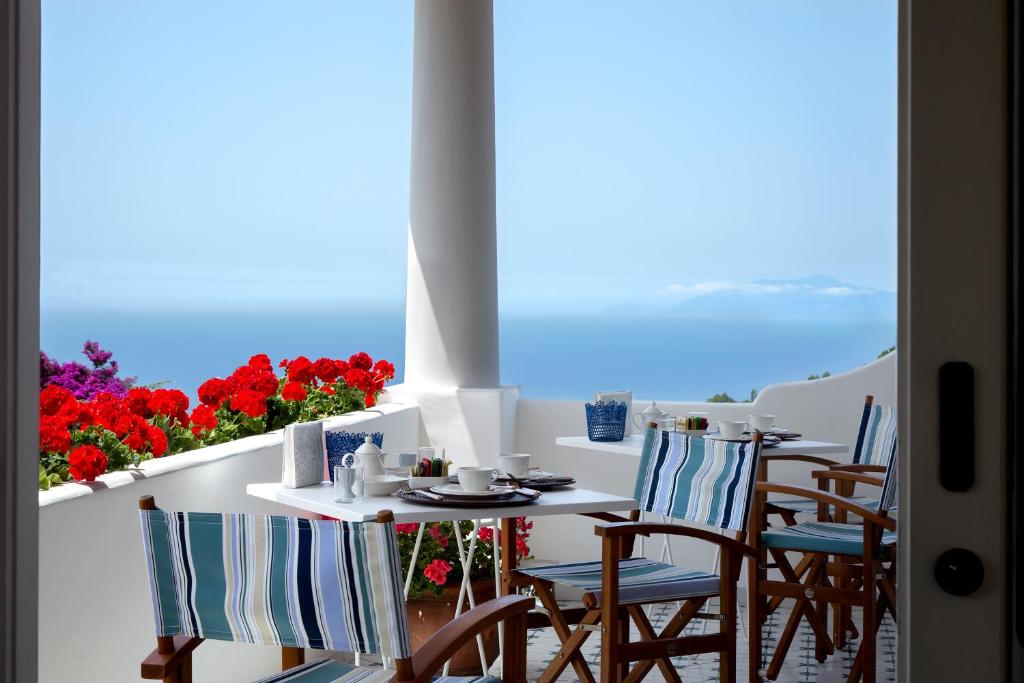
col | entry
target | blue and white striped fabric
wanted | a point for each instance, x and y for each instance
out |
(876, 438)
(889, 499)
(277, 581)
(698, 480)
(640, 580)
(821, 537)
(333, 671)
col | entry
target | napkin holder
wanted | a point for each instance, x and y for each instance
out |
(622, 396)
(302, 463)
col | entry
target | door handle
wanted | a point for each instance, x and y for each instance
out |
(959, 572)
(956, 426)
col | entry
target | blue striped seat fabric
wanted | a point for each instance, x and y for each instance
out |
(822, 537)
(698, 480)
(640, 580)
(333, 671)
(876, 438)
(277, 581)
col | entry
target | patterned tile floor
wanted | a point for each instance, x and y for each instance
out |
(800, 665)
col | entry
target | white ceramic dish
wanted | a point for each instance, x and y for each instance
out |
(426, 482)
(382, 484)
(457, 490)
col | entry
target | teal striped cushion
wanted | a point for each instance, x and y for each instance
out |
(277, 581)
(825, 537)
(332, 671)
(640, 580)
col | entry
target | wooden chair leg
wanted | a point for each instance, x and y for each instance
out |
(571, 641)
(622, 638)
(647, 632)
(610, 633)
(672, 629)
(513, 662)
(869, 627)
(801, 569)
(821, 610)
(727, 609)
(754, 618)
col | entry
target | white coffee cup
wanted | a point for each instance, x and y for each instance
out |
(475, 478)
(731, 429)
(516, 464)
(761, 423)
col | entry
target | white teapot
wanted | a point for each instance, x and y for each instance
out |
(651, 413)
(369, 458)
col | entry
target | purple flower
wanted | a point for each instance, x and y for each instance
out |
(82, 381)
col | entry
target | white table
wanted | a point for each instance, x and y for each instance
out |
(633, 445)
(319, 499)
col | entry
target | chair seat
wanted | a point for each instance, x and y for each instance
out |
(333, 671)
(824, 537)
(640, 580)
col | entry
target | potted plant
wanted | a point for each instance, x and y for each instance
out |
(434, 590)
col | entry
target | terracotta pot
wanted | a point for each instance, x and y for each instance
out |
(429, 613)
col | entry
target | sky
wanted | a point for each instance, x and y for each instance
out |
(237, 155)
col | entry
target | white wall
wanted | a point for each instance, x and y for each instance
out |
(824, 410)
(95, 620)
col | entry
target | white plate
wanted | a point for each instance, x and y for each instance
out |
(457, 490)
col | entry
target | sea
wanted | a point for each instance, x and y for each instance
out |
(550, 356)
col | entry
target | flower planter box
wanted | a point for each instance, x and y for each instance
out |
(428, 614)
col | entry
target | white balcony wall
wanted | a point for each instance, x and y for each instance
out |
(823, 410)
(95, 619)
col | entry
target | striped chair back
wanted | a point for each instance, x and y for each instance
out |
(876, 438)
(890, 484)
(697, 480)
(277, 581)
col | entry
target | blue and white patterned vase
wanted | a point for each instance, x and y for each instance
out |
(341, 445)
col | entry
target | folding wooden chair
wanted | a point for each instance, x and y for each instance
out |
(876, 440)
(868, 553)
(695, 480)
(300, 583)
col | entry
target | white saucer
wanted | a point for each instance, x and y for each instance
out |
(457, 490)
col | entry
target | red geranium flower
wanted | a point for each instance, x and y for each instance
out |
(53, 398)
(214, 391)
(203, 419)
(486, 534)
(410, 528)
(328, 390)
(293, 391)
(326, 369)
(437, 571)
(138, 402)
(53, 435)
(85, 463)
(357, 378)
(250, 402)
(261, 362)
(360, 360)
(171, 403)
(384, 368)
(301, 370)
(157, 440)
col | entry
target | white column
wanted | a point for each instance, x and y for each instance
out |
(451, 336)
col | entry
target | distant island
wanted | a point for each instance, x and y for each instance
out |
(815, 297)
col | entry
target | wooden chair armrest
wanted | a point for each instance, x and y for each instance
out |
(829, 499)
(440, 647)
(880, 469)
(813, 459)
(648, 528)
(837, 475)
(160, 665)
(634, 515)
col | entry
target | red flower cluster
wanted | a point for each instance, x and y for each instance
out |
(358, 372)
(144, 419)
(523, 528)
(87, 462)
(437, 571)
